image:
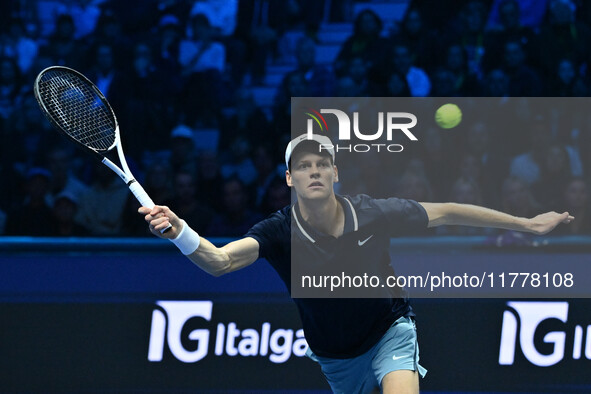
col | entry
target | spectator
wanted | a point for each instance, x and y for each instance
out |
(18, 45)
(294, 85)
(85, 15)
(199, 51)
(470, 32)
(11, 88)
(530, 14)
(527, 166)
(236, 217)
(347, 87)
(182, 147)
(238, 163)
(508, 28)
(414, 33)
(158, 183)
(470, 169)
(28, 119)
(464, 83)
(108, 76)
(443, 83)
(495, 84)
(259, 27)
(277, 195)
(575, 200)
(365, 42)
(417, 79)
(414, 185)
(29, 133)
(107, 190)
(167, 41)
(245, 118)
(202, 61)
(64, 212)
(358, 176)
(491, 162)
(209, 179)
(267, 168)
(32, 216)
(319, 78)
(63, 180)
(437, 155)
(555, 171)
(567, 82)
(517, 199)
(221, 13)
(197, 213)
(562, 36)
(109, 30)
(397, 86)
(523, 80)
(464, 191)
(145, 116)
(358, 71)
(63, 47)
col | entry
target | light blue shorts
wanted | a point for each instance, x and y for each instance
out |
(397, 350)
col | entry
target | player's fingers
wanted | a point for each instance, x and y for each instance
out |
(144, 210)
(151, 216)
(157, 221)
(162, 225)
(566, 217)
(156, 210)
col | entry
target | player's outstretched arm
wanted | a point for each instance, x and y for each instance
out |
(471, 215)
(213, 260)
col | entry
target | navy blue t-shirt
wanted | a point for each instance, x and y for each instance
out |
(342, 327)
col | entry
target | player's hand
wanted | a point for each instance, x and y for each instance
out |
(546, 222)
(159, 218)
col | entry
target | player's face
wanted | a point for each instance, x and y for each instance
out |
(312, 176)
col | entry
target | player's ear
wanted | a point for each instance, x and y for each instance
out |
(288, 178)
(336, 173)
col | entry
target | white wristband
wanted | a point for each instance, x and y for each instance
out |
(187, 241)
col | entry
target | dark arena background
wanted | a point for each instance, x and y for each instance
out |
(91, 302)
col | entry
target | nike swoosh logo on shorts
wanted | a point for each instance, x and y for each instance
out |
(361, 243)
(398, 358)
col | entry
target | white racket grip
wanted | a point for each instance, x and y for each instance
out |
(141, 195)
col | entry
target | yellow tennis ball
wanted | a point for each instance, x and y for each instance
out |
(448, 116)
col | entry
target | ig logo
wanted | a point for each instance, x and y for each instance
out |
(177, 313)
(530, 315)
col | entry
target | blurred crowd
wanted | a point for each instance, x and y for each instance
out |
(182, 76)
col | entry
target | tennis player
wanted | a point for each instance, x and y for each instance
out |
(359, 343)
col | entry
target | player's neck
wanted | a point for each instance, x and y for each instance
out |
(326, 216)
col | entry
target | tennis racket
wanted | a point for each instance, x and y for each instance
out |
(77, 108)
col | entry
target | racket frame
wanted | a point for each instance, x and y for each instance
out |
(124, 173)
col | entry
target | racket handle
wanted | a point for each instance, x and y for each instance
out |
(141, 195)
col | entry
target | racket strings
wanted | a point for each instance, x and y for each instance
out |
(78, 110)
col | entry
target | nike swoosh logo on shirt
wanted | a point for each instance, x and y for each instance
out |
(361, 243)
(397, 358)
